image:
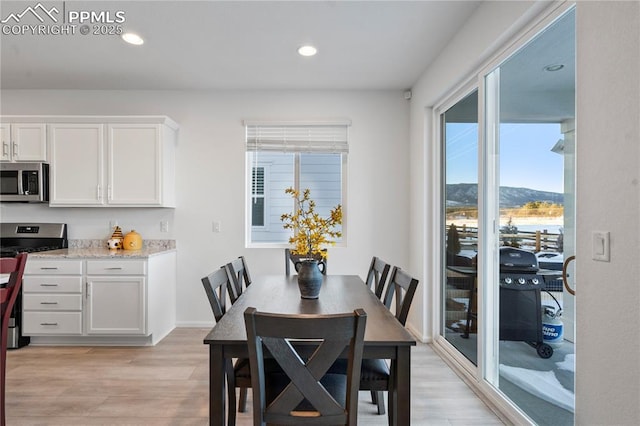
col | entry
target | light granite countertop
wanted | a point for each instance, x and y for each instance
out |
(97, 249)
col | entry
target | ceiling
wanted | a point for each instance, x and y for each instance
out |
(195, 45)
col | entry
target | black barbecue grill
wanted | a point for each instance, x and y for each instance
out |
(520, 304)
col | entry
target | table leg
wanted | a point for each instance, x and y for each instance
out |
(217, 413)
(400, 388)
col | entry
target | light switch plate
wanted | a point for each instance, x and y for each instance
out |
(600, 249)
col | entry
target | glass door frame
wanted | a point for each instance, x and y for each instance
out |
(488, 217)
(439, 179)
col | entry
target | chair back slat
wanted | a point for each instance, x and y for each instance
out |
(377, 276)
(302, 398)
(403, 286)
(239, 277)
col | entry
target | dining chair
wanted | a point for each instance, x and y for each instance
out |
(377, 276)
(305, 392)
(291, 259)
(239, 277)
(14, 266)
(375, 372)
(238, 375)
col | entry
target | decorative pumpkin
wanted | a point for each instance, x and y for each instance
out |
(132, 241)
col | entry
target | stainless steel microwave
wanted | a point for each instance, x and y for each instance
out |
(24, 182)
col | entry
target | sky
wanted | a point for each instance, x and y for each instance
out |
(526, 160)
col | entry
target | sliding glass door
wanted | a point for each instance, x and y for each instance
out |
(459, 126)
(509, 225)
(531, 111)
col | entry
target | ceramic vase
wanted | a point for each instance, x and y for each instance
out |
(309, 278)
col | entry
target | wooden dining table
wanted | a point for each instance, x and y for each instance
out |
(385, 337)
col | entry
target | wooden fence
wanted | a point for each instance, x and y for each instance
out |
(534, 241)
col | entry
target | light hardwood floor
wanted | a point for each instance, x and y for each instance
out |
(168, 385)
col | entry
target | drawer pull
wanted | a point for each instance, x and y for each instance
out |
(48, 303)
(48, 285)
(48, 323)
(114, 268)
(48, 268)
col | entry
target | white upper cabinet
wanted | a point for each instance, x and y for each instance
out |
(136, 166)
(77, 165)
(113, 164)
(23, 142)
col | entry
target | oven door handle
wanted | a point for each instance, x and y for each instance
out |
(565, 266)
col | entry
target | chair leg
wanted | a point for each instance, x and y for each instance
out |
(379, 401)
(242, 401)
(231, 395)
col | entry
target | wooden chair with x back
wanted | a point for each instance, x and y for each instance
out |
(304, 393)
(14, 266)
(375, 372)
(216, 286)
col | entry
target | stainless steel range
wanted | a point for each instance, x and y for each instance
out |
(28, 237)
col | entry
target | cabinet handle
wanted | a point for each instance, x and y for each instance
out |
(48, 268)
(99, 191)
(48, 285)
(48, 323)
(109, 193)
(48, 303)
(114, 268)
(15, 150)
(5, 149)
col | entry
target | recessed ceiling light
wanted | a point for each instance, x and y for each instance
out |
(556, 67)
(307, 50)
(132, 38)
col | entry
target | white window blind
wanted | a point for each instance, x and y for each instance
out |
(328, 138)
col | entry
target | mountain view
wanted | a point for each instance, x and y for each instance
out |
(466, 194)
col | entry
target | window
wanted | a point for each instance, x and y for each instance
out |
(302, 156)
(257, 196)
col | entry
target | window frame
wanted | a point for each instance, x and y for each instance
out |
(250, 163)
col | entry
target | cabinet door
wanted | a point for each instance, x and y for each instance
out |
(135, 164)
(77, 158)
(5, 140)
(29, 141)
(115, 305)
(24, 142)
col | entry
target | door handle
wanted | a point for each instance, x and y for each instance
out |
(565, 266)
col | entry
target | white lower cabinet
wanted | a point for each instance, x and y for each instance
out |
(116, 304)
(99, 301)
(52, 297)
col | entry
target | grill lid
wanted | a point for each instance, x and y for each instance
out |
(517, 260)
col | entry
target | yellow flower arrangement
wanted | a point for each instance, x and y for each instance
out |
(310, 231)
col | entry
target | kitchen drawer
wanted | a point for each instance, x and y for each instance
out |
(53, 267)
(53, 284)
(41, 323)
(52, 302)
(116, 267)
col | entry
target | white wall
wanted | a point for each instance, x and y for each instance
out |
(608, 168)
(210, 161)
(608, 199)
